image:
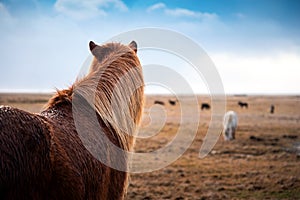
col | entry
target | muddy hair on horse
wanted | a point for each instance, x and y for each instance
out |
(43, 155)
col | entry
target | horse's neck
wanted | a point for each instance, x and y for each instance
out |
(58, 113)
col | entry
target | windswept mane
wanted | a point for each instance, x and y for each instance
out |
(113, 87)
(60, 97)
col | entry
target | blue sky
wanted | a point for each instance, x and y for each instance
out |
(255, 44)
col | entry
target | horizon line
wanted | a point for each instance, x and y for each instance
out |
(48, 91)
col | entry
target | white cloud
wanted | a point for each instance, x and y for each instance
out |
(81, 10)
(181, 12)
(265, 74)
(156, 6)
(5, 16)
(3, 10)
(240, 15)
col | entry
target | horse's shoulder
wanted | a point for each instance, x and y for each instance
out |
(14, 120)
(8, 113)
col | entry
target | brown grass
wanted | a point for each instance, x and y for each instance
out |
(264, 166)
(26, 101)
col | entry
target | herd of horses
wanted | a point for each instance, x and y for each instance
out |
(206, 106)
(230, 119)
(43, 155)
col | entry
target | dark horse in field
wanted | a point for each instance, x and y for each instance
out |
(205, 106)
(172, 102)
(243, 104)
(42, 155)
(159, 102)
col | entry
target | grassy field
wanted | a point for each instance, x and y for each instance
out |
(262, 163)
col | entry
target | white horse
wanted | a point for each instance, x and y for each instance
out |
(230, 125)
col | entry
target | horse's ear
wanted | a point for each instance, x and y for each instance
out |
(92, 45)
(133, 46)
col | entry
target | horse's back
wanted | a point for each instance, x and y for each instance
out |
(24, 153)
(230, 118)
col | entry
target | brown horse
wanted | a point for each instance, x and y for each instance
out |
(42, 156)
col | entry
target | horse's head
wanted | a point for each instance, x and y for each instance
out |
(229, 133)
(114, 87)
(109, 52)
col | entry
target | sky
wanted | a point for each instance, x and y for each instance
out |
(254, 44)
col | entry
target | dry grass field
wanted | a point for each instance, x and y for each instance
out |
(262, 163)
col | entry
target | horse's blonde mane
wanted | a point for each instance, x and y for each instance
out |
(114, 88)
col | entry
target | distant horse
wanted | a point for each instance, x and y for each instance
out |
(230, 125)
(205, 106)
(172, 102)
(272, 109)
(159, 102)
(243, 104)
(42, 155)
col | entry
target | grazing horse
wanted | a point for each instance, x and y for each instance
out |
(172, 102)
(272, 109)
(230, 125)
(42, 155)
(159, 102)
(205, 106)
(243, 104)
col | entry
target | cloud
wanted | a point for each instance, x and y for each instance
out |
(3, 10)
(240, 15)
(81, 10)
(5, 16)
(181, 12)
(156, 6)
(260, 74)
